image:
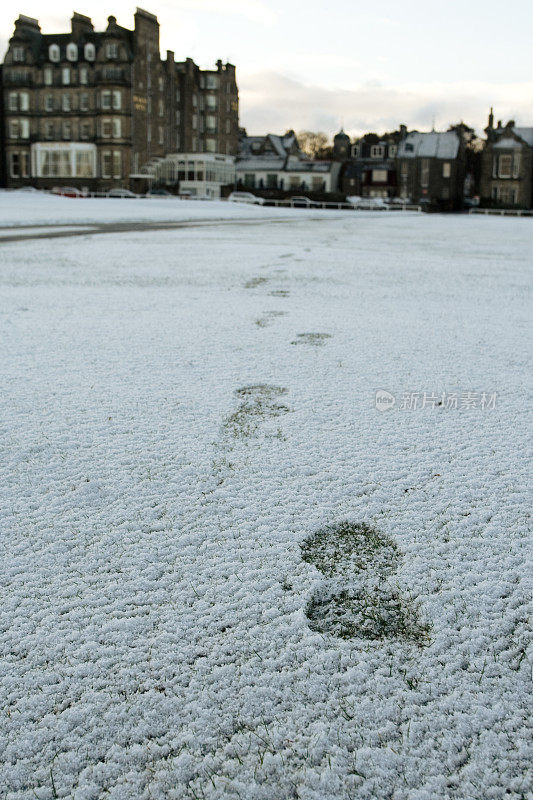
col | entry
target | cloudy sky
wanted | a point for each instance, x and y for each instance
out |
(319, 65)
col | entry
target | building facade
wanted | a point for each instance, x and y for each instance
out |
(95, 109)
(372, 169)
(276, 164)
(431, 168)
(507, 166)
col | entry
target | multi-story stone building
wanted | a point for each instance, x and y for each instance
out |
(96, 109)
(507, 166)
(372, 170)
(431, 168)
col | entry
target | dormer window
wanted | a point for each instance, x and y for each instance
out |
(111, 50)
(53, 53)
(355, 151)
(393, 149)
(377, 151)
(409, 148)
(19, 55)
(89, 51)
(72, 52)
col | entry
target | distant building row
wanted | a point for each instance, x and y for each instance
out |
(442, 168)
(99, 110)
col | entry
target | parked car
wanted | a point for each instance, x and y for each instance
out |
(68, 191)
(400, 201)
(159, 193)
(246, 197)
(368, 203)
(121, 193)
(27, 189)
(302, 202)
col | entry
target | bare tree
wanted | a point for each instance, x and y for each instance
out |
(313, 144)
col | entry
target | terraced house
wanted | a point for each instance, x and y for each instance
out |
(99, 109)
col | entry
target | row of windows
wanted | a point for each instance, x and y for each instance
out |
(55, 163)
(273, 181)
(108, 100)
(112, 51)
(89, 52)
(425, 171)
(68, 76)
(376, 151)
(207, 123)
(110, 128)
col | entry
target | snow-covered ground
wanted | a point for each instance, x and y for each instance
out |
(186, 416)
(37, 208)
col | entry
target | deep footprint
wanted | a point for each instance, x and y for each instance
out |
(313, 339)
(355, 599)
(346, 548)
(382, 613)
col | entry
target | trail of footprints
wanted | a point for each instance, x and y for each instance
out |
(357, 597)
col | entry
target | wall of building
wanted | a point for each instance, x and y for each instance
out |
(112, 92)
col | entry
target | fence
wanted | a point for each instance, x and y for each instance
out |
(502, 212)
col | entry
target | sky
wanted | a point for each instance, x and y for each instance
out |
(358, 65)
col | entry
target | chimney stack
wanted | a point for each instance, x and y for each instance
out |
(80, 24)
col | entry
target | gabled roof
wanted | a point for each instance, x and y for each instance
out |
(269, 152)
(429, 145)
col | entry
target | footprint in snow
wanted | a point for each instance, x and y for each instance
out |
(280, 293)
(253, 283)
(258, 403)
(269, 317)
(313, 339)
(356, 598)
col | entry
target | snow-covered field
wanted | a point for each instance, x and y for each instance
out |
(37, 208)
(187, 417)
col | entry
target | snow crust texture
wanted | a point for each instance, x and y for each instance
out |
(225, 572)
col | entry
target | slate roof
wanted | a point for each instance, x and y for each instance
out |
(429, 145)
(526, 134)
(40, 42)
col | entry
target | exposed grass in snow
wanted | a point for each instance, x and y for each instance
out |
(313, 339)
(258, 403)
(346, 548)
(379, 613)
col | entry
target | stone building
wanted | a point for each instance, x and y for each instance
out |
(507, 166)
(431, 168)
(95, 109)
(372, 169)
